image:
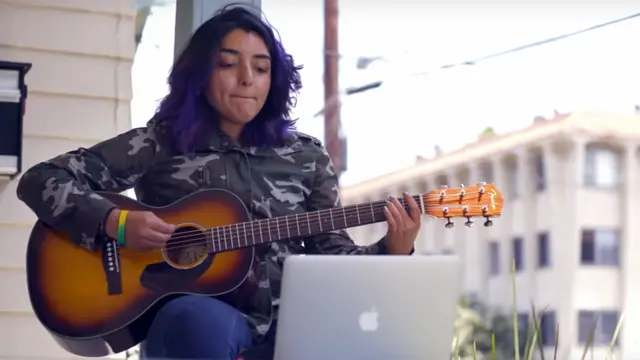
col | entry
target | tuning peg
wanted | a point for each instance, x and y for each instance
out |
(449, 224)
(481, 183)
(488, 222)
(444, 187)
(468, 223)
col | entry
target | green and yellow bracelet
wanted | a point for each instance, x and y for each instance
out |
(122, 219)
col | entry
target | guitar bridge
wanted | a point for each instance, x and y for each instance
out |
(111, 266)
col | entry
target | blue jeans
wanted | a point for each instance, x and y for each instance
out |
(197, 327)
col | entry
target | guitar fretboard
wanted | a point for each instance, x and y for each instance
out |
(240, 235)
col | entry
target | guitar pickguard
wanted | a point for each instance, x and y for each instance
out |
(162, 277)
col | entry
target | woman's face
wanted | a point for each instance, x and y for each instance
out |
(240, 83)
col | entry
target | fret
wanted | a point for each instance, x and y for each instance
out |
(319, 220)
(269, 229)
(218, 238)
(278, 228)
(309, 223)
(213, 240)
(224, 238)
(261, 232)
(253, 235)
(333, 226)
(238, 234)
(286, 223)
(298, 225)
(230, 240)
(373, 214)
(358, 214)
(244, 229)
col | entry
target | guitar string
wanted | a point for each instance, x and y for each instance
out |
(323, 213)
(320, 216)
(220, 239)
(202, 239)
(309, 221)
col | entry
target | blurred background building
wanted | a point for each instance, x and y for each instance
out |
(570, 184)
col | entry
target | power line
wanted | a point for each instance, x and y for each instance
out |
(537, 43)
(335, 101)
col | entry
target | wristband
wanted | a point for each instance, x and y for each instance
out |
(122, 219)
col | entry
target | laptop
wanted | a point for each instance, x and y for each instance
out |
(368, 307)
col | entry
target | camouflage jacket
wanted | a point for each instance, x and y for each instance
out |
(295, 178)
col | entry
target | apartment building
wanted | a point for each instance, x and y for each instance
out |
(569, 184)
(79, 94)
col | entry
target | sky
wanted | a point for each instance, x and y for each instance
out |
(412, 112)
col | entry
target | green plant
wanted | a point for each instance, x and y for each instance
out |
(533, 342)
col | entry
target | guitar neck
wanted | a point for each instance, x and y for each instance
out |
(236, 236)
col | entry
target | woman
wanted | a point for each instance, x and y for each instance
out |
(224, 124)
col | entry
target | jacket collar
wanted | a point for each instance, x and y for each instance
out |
(220, 142)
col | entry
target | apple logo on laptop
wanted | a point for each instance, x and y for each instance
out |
(369, 320)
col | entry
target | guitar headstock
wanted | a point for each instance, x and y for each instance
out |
(482, 200)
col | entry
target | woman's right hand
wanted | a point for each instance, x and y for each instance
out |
(143, 230)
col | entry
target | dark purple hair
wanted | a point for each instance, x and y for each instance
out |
(186, 110)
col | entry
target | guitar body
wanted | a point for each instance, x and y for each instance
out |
(68, 284)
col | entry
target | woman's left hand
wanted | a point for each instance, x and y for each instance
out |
(403, 227)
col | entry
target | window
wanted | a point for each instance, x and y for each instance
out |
(602, 323)
(523, 321)
(494, 258)
(517, 253)
(602, 167)
(600, 247)
(511, 188)
(486, 173)
(548, 328)
(540, 173)
(544, 258)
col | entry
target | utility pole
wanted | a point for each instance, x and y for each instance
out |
(331, 87)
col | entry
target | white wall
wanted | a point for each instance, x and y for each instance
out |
(79, 94)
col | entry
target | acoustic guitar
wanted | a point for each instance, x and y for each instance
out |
(94, 302)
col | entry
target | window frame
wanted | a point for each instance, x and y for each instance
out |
(586, 319)
(593, 167)
(611, 258)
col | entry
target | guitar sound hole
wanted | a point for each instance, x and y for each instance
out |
(186, 248)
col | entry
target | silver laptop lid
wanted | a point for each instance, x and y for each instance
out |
(368, 307)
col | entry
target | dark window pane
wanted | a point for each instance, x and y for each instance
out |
(587, 249)
(548, 328)
(544, 259)
(517, 254)
(600, 247)
(602, 323)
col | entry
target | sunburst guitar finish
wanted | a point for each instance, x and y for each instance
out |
(211, 254)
